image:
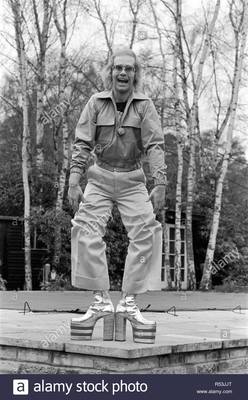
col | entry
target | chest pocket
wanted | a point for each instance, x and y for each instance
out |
(104, 129)
(132, 126)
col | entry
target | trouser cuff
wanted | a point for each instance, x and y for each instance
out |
(83, 282)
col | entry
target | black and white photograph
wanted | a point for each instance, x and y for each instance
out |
(124, 199)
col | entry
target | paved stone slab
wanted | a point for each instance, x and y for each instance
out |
(158, 301)
(29, 343)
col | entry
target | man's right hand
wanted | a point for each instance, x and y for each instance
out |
(75, 196)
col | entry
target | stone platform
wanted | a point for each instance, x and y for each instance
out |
(192, 342)
(157, 301)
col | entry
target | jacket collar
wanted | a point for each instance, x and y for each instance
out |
(108, 94)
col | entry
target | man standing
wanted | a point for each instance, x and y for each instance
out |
(119, 124)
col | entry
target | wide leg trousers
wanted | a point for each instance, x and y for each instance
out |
(88, 259)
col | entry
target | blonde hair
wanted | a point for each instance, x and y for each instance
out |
(107, 72)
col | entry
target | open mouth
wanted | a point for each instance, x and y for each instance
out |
(122, 80)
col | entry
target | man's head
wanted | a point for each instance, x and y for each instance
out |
(122, 72)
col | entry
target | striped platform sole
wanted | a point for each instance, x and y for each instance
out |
(84, 330)
(144, 333)
(141, 333)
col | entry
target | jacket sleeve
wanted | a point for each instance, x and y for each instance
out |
(153, 144)
(84, 138)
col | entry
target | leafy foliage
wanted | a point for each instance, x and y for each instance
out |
(45, 221)
(2, 283)
(61, 282)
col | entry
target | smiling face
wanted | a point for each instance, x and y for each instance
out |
(123, 79)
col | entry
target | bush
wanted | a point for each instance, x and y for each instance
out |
(45, 222)
(61, 282)
(236, 277)
(230, 286)
(2, 283)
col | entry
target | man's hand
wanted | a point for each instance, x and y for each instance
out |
(157, 197)
(75, 196)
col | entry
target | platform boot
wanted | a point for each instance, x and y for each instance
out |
(102, 307)
(144, 331)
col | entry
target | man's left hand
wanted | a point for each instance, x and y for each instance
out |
(157, 197)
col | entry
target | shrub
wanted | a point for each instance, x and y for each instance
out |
(61, 282)
(2, 283)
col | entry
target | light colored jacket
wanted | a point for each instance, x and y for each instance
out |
(120, 142)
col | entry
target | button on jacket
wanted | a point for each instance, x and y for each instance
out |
(120, 139)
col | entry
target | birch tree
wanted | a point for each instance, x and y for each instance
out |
(179, 138)
(193, 139)
(239, 22)
(22, 61)
(61, 26)
(181, 44)
(42, 35)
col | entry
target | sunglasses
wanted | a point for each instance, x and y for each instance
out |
(127, 68)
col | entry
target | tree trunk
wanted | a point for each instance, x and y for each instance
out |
(166, 265)
(42, 36)
(191, 281)
(60, 193)
(16, 10)
(62, 31)
(135, 20)
(178, 205)
(206, 277)
(178, 211)
(39, 124)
